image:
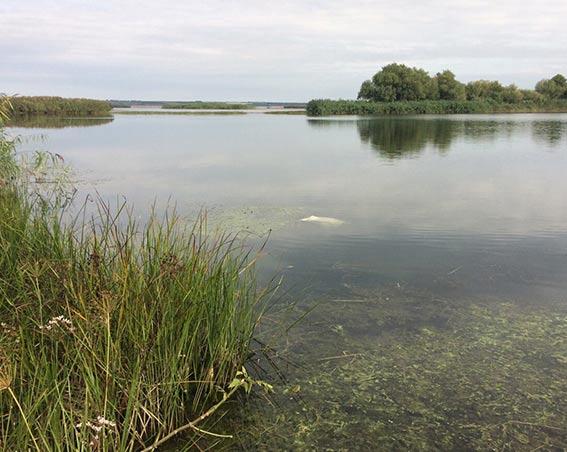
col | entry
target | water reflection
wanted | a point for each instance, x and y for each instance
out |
(54, 122)
(549, 132)
(394, 138)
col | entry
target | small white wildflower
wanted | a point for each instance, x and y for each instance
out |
(102, 421)
(97, 425)
(59, 321)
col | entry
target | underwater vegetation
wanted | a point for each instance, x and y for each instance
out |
(398, 370)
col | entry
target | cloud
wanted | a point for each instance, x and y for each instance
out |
(291, 50)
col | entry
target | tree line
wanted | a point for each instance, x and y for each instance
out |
(398, 82)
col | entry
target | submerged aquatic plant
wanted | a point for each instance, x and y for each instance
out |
(401, 369)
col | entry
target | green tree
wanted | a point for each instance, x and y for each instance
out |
(484, 90)
(367, 90)
(554, 88)
(529, 95)
(560, 80)
(449, 87)
(396, 82)
(512, 95)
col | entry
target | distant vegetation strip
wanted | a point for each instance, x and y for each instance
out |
(400, 89)
(328, 107)
(178, 112)
(286, 111)
(200, 105)
(58, 106)
(116, 103)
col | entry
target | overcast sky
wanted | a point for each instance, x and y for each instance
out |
(266, 50)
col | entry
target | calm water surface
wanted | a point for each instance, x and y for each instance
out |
(458, 210)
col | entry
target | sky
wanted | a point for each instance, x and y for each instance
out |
(289, 50)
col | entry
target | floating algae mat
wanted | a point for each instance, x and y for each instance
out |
(400, 371)
(254, 219)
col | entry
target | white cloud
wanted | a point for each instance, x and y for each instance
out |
(254, 49)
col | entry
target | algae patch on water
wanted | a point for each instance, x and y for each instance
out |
(395, 371)
(254, 219)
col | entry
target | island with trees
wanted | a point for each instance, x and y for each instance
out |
(399, 89)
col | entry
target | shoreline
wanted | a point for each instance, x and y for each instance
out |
(328, 107)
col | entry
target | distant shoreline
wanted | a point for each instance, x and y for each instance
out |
(152, 111)
(328, 107)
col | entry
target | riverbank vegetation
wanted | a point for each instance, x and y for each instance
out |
(115, 335)
(58, 106)
(398, 89)
(327, 107)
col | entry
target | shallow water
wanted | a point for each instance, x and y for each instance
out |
(454, 233)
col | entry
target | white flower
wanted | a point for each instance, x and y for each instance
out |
(59, 321)
(98, 424)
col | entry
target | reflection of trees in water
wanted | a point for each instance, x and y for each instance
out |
(490, 129)
(406, 137)
(549, 132)
(394, 137)
(54, 122)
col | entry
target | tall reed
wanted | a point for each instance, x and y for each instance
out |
(114, 334)
(328, 107)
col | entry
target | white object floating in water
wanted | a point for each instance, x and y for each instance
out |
(323, 220)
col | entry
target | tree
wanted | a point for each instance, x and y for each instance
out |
(449, 87)
(512, 95)
(554, 88)
(484, 90)
(367, 90)
(560, 80)
(396, 82)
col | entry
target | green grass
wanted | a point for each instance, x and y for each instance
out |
(327, 107)
(115, 335)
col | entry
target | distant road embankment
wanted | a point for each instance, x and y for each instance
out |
(328, 107)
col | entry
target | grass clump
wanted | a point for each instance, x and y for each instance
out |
(114, 335)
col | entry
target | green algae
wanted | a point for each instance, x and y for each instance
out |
(254, 219)
(406, 371)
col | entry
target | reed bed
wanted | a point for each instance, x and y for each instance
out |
(58, 106)
(114, 335)
(328, 107)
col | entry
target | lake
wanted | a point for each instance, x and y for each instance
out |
(434, 316)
